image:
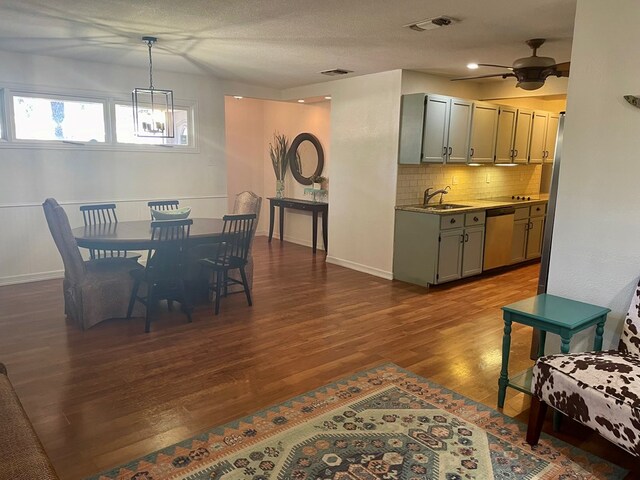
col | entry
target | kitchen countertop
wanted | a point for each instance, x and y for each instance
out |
(475, 205)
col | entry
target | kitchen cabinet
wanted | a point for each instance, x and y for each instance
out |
(447, 126)
(434, 249)
(411, 123)
(528, 229)
(543, 137)
(514, 134)
(551, 136)
(484, 127)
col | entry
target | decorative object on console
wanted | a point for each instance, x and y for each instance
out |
(152, 107)
(306, 158)
(279, 159)
(318, 184)
(381, 423)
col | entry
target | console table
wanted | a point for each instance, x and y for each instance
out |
(313, 207)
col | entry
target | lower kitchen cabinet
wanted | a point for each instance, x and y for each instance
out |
(433, 249)
(528, 229)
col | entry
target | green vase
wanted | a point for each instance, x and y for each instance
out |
(279, 188)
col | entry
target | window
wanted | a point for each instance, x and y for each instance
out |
(125, 132)
(40, 118)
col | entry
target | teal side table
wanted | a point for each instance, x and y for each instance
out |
(548, 313)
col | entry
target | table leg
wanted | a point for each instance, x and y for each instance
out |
(542, 338)
(565, 339)
(315, 231)
(281, 223)
(271, 215)
(325, 231)
(504, 372)
(597, 343)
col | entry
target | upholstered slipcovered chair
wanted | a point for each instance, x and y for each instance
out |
(95, 290)
(598, 389)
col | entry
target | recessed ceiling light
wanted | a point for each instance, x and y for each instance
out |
(301, 101)
(472, 66)
(328, 97)
(238, 97)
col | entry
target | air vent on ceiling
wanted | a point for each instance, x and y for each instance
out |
(336, 71)
(431, 23)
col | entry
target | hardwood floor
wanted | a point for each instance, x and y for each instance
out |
(107, 395)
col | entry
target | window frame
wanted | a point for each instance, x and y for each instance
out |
(7, 118)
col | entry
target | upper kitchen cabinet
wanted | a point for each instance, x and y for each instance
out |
(543, 137)
(447, 126)
(551, 137)
(514, 133)
(484, 126)
(434, 129)
(411, 124)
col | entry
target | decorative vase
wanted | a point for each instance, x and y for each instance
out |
(279, 188)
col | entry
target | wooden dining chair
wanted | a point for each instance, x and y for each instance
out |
(162, 205)
(231, 254)
(103, 217)
(164, 272)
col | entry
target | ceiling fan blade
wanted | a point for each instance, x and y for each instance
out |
(503, 75)
(563, 68)
(494, 65)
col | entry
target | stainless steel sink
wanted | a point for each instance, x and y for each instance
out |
(444, 206)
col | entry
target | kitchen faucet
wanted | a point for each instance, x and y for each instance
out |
(428, 196)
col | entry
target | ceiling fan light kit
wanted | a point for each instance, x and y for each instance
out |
(530, 72)
(152, 107)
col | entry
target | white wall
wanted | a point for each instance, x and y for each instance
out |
(595, 256)
(80, 175)
(250, 125)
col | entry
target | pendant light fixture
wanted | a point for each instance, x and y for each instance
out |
(152, 107)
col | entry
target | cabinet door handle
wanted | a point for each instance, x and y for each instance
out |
(453, 220)
(511, 153)
(516, 153)
(461, 238)
(544, 154)
(530, 225)
(475, 219)
(450, 150)
(444, 152)
(472, 152)
(466, 237)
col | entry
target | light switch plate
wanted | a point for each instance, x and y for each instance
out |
(488, 178)
(454, 180)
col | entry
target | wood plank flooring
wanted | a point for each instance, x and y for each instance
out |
(110, 394)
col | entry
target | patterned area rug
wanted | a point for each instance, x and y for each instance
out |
(382, 424)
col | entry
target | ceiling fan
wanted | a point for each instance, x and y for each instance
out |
(531, 72)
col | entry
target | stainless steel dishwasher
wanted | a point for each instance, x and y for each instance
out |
(498, 236)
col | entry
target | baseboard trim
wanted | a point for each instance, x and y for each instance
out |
(31, 277)
(376, 272)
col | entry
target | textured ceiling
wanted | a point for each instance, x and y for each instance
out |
(286, 43)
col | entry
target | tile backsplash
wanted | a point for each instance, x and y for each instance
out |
(466, 182)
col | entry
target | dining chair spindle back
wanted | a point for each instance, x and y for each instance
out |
(164, 272)
(231, 254)
(103, 216)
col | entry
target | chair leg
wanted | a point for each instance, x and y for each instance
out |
(184, 303)
(150, 303)
(132, 300)
(218, 275)
(245, 284)
(226, 283)
(536, 419)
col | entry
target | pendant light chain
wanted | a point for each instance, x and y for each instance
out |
(150, 43)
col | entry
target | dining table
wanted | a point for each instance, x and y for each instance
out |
(136, 234)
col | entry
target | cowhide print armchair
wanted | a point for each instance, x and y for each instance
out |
(598, 389)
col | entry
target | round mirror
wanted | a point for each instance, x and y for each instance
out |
(306, 158)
